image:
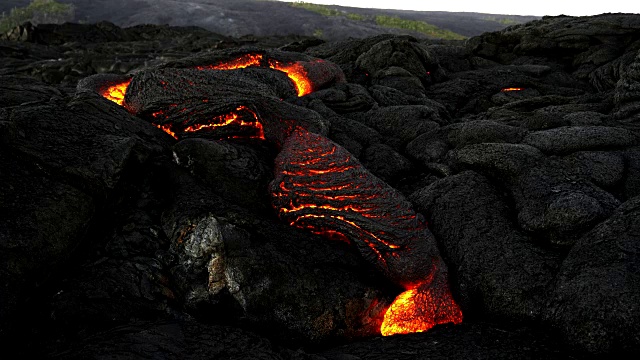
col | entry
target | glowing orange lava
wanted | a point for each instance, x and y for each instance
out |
(322, 188)
(511, 89)
(242, 62)
(116, 92)
(167, 128)
(419, 309)
(297, 74)
(232, 118)
(295, 71)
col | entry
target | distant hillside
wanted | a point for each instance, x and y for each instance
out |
(267, 18)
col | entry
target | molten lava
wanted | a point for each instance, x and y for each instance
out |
(295, 71)
(241, 62)
(297, 74)
(511, 89)
(342, 202)
(116, 92)
(233, 118)
(419, 309)
(252, 129)
(321, 187)
(167, 128)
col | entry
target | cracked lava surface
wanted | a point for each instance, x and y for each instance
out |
(320, 187)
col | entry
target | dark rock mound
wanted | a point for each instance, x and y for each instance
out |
(594, 303)
(473, 226)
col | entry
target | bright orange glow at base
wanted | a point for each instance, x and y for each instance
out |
(419, 309)
(511, 89)
(297, 74)
(116, 92)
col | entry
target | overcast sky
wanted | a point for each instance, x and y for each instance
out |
(511, 7)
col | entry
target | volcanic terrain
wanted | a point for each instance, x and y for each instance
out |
(170, 192)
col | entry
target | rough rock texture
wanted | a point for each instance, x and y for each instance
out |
(186, 339)
(594, 303)
(519, 147)
(44, 220)
(231, 262)
(321, 187)
(234, 171)
(476, 341)
(627, 96)
(471, 221)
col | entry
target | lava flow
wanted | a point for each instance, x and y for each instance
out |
(295, 71)
(321, 187)
(511, 89)
(116, 92)
(297, 74)
(241, 62)
(252, 129)
(419, 309)
(318, 186)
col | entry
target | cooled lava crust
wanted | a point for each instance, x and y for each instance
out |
(318, 185)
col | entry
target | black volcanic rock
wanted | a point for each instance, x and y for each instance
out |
(231, 265)
(344, 98)
(43, 221)
(603, 168)
(592, 48)
(386, 163)
(598, 287)
(520, 148)
(94, 140)
(551, 198)
(565, 140)
(401, 124)
(503, 161)
(473, 225)
(466, 341)
(186, 339)
(632, 181)
(626, 95)
(233, 171)
(411, 56)
(16, 90)
(433, 146)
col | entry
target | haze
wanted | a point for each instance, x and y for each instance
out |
(507, 7)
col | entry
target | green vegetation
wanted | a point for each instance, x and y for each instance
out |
(326, 10)
(320, 9)
(38, 11)
(382, 20)
(419, 26)
(503, 21)
(356, 17)
(318, 33)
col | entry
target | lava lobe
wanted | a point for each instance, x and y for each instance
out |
(318, 186)
(321, 187)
